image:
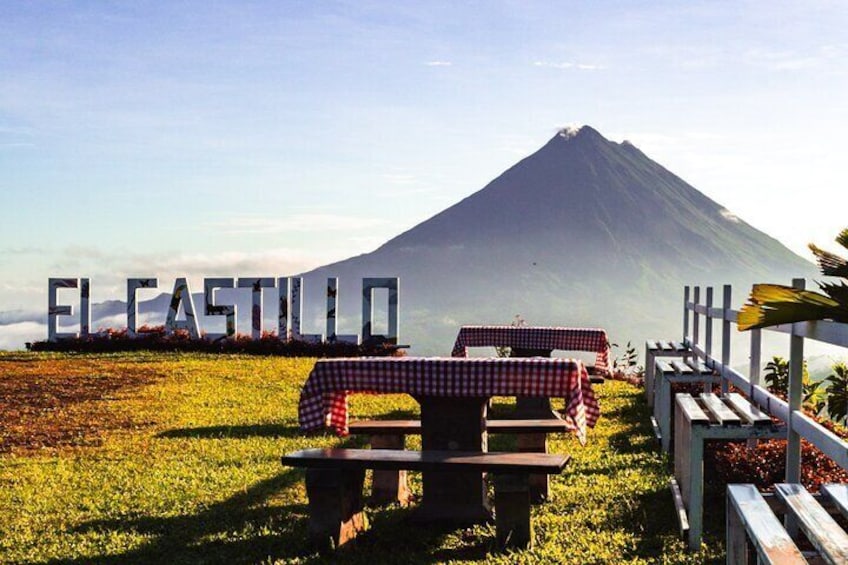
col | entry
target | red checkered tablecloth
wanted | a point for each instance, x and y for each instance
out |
(536, 337)
(323, 399)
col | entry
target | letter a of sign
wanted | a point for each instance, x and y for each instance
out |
(182, 293)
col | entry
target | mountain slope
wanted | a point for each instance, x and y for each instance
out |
(583, 232)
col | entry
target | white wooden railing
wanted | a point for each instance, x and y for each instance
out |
(799, 425)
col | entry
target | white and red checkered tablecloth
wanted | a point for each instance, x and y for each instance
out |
(536, 337)
(323, 399)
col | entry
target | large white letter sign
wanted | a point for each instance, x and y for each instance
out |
(332, 309)
(54, 310)
(132, 304)
(182, 293)
(213, 309)
(368, 286)
(283, 312)
(296, 309)
(256, 284)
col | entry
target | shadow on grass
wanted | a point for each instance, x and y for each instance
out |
(207, 536)
(234, 432)
(249, 528)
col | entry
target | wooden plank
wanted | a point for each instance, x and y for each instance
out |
(430, 460)
(664, 367)
(826, 331)
(837, 494)
(651, 344)
(693, 413)
(413, 427)
(765, 531)
(657, 432)
(698, 366)
(679, 347)
(680, 508)
(666, 346)
(750, 413)
(721, 413)
(681, 368)
(829, 443)
(820, 528)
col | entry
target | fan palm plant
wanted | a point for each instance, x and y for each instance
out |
(773, 304)
(837, 392)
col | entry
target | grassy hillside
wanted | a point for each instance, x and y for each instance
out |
(138, 458)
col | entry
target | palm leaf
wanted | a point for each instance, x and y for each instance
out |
(830, 264)
(842, 238)
(838, 292)
(772, 304)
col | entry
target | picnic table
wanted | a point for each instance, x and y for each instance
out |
(543, 339)
(453, 394)
(536, 341)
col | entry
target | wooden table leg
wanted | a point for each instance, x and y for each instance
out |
(533, 407)
(453, 424)
(335, 506)
(389, 487)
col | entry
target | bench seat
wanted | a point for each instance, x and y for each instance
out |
(667, 374)
(697, 420)
(750, 519)
(334, 479)
(390, 486)
(413, 427)
(660, 348)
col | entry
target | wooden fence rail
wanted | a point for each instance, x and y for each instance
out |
(799, 425)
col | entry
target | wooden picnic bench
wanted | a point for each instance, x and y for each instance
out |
(660, 348)
(389, 486)
(708, 417)
(667, 374)
(753, 528)
(334, 479)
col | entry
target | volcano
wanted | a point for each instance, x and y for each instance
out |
(583, 232)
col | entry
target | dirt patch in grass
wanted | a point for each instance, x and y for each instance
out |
(63, 403)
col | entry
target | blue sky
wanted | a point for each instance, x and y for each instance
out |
(265, 138)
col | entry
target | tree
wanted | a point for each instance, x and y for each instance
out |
(777, 380)
(837, 392)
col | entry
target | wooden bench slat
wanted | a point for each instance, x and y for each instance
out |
(693, 412)
(750, 413)
(679, 347)
(651, 344)
(681, 368)
(820, 528)
(770, 539)
(838, 495)
(721, 413)
(394, 459)
(698, 366)
(664, 366)
(666, 346)
(413, 427)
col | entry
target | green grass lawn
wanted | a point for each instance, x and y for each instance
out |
(191, 474)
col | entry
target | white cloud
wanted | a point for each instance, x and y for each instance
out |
(308, 222)
(14, 336)
(439, 63)
(567, 65)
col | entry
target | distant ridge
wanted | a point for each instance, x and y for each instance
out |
(584, 231)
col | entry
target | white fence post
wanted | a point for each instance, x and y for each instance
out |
(795, 396)
(685, 313)
(725, 335)
(695, 319)
(708, 325)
